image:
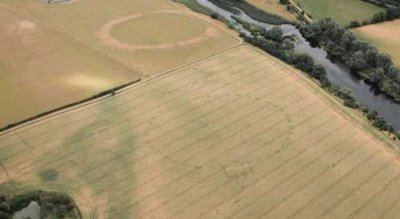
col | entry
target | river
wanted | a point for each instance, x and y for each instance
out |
(337, 73)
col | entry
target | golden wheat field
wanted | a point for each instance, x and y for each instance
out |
(60, 53)
(237, 135)
(385, 36)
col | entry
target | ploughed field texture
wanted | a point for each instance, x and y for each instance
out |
(55, 54)
(341, 11)
(385, 36)
(238, 135)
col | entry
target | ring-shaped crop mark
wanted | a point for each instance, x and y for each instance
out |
(274, 111)
(109, 40)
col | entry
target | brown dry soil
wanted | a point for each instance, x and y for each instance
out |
(238, 135)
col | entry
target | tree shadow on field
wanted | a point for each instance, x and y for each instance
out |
(48, 175)
(100, 158)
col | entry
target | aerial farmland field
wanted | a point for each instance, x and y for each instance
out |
(60, 53)
(341, 11)
(385, 36)
(236, 135)
(273, 7)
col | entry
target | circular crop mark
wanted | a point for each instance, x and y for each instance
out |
(157, 30)
(240, 132)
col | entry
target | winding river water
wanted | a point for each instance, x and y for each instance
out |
(337, 73)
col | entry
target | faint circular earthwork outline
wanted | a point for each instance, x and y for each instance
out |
(81, 200)
(272, 109)
(109, 40)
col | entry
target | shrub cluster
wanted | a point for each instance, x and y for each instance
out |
(52, 205)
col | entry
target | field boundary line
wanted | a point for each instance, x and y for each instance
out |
(354, 118)
(116, 114)
(205, 18)
(73, 152)
(94, 99)
(91, 100)
(65, 37)
(301, 11)
(63, 109)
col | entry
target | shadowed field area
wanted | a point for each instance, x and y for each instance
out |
(55, 54)
(238, 135)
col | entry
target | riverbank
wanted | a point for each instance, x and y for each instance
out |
(336, 73)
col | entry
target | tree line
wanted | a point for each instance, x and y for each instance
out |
(275, 43)
(385, 3)
(251, 10)
(365, 60)
(389, 15)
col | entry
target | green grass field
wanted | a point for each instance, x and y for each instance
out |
(342, 11)
(273, 7)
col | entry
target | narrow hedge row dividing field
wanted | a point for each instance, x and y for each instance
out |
(56, 54)
(237, 135)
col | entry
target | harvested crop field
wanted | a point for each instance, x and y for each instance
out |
(341, 11)
(39, 71)
(101, 30)
(385, 36)
(238, 135)
(55, 54)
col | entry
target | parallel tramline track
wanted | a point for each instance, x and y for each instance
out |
(123, 153)
(267, 158)
(119, 103)
(146, 112)
(139, 94)
(257, 134)
(238, 135)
